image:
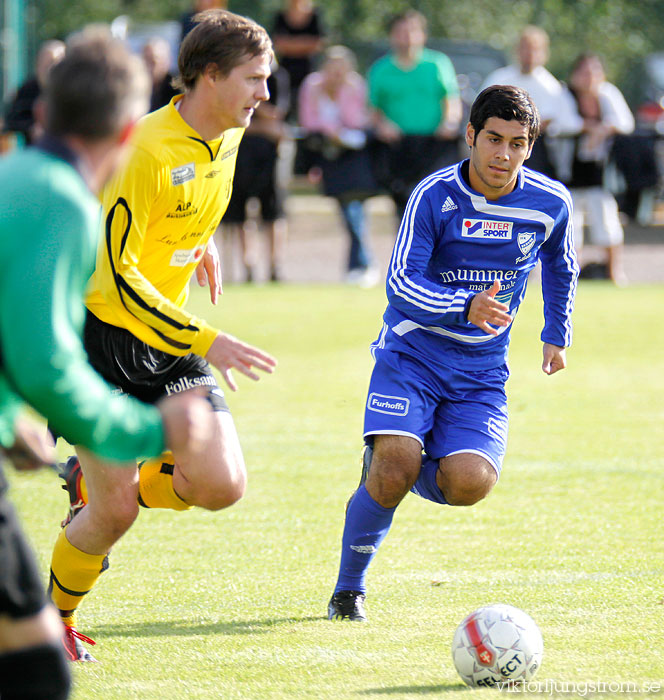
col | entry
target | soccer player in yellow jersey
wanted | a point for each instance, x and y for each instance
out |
(159, 214)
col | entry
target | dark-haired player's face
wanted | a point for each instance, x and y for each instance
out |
(497, 153)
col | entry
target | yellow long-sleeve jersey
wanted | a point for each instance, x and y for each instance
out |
(159, 211)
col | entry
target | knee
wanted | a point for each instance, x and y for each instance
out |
(467, 487)
(466, 495)
(394, 480)
(222, 493)
(390, 478)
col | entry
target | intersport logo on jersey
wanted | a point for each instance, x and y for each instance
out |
(487, 229)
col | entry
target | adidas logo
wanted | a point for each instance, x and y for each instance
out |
(448, 205)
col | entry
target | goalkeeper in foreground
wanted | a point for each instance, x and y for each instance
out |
(48, 238)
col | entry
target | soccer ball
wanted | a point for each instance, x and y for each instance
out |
(497, 644)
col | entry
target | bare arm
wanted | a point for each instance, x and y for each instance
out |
(385, 129)
(33, 446)
(298, 46)
(451, 118)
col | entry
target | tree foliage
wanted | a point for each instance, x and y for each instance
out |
(621, 31)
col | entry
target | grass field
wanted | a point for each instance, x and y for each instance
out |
(231, 604)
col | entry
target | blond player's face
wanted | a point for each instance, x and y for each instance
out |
(236, 96)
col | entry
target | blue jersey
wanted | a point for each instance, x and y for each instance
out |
(454, 243)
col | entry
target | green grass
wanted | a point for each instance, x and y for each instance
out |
(231, 604)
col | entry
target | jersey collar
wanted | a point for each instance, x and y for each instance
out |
(213, 147)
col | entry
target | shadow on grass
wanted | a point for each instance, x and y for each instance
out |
(185, 628)
(415, 689)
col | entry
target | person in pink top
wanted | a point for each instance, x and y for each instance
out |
(333, 113)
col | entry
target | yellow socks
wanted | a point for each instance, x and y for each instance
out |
(155, 484)
(73, 574)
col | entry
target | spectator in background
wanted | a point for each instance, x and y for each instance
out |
(546, 92)
(187, 20)
(332, 109)
(298, 37)
(416, 109)
(256, 176)
(605, 113)
(157, 57)
(20, 116)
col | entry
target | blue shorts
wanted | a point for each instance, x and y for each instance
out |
(447, 410)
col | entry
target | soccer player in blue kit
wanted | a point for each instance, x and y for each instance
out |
(436, 412)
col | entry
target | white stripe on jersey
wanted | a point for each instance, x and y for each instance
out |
(415, 294)
(408, 326)
(546, 183)
(380, 341)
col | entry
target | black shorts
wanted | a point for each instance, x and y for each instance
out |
(142, 371)
(21, 590)
(255, 176)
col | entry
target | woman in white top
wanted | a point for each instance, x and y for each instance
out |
(604, 113)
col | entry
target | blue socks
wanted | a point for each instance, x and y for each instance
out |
(426, 485)
(366, 525)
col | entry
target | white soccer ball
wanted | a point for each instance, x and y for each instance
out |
(497, 644)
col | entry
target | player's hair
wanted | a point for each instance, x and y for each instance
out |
(223, 39)
(505, 102)
(96, 90)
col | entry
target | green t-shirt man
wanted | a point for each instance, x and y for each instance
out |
(48, 238)
(413, 97)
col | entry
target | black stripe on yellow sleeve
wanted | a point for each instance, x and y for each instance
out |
(171, 342)
(125, 289)
(139, 301)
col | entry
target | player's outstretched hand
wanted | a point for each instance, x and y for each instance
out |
(188, 421)
(208, 271)
(554, 358)
(485, 310)
(33, 446)
(227, 353)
